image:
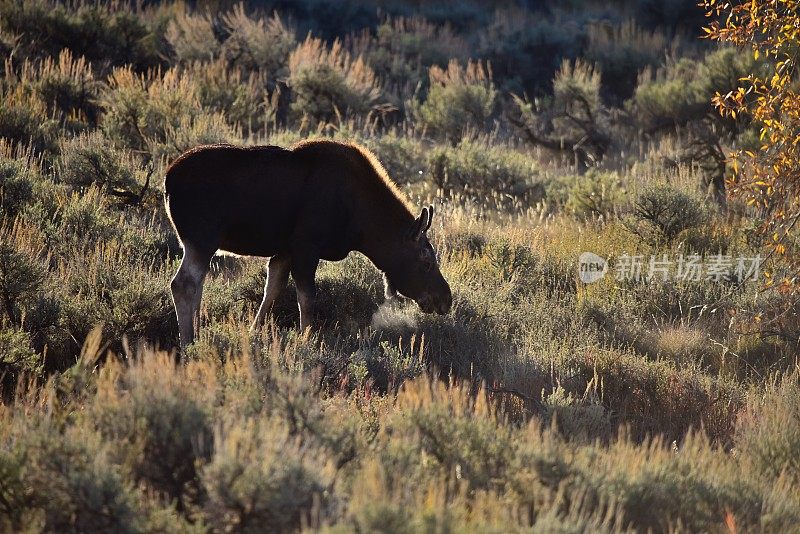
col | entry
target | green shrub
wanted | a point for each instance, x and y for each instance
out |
(722, 70)
(12, 506)
(193, 130)
(239, 98)
(353, 284)
(576, 89)
(661, 212)
(89, 160)
(192, 37)
(17, 356)
(258, 44)
(327, 82)
(22, 270)
(573, 120)
(16, 188)
(84, 221)
(65, 89)
(24, 121)
(70, 485)
(68, 87)
(348, 294)
(662, 398)
(30, 309)
(161, 423)
(403, 49)
(159, 115)
(419, 41)
(385, 365)
(44, 323)
(663, 305)
(402, 156)
(667, 97)
(260, 478)
(579, 111)
(577, 417)
(681, 91)
(8, 43)
(460, 99)
(528, 271)
(115, 288)
(133, 117)
(768, 433)
(104, 33)
(657, 478)
(485, 170)
(476, 448)
(596, 193)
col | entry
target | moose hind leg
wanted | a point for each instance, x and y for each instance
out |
(187, 291)
(277, 276)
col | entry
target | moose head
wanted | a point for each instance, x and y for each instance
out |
(414, 273)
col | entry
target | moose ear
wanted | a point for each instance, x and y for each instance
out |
(421, 224)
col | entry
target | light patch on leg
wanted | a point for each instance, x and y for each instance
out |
(306, 304)
(187, 290)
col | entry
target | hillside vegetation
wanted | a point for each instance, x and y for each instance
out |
(539, 403)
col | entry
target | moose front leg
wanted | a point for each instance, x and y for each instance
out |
(277, 276)
(303, 271)
(389, 292)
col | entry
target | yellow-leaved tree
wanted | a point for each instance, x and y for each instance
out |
(769, 178)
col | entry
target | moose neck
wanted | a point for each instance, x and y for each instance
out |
(383, 226)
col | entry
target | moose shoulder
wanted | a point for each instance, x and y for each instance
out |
(317, 200)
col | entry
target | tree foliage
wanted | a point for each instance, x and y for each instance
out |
(768, 177)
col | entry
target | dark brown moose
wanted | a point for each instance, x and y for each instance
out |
(318, 200)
